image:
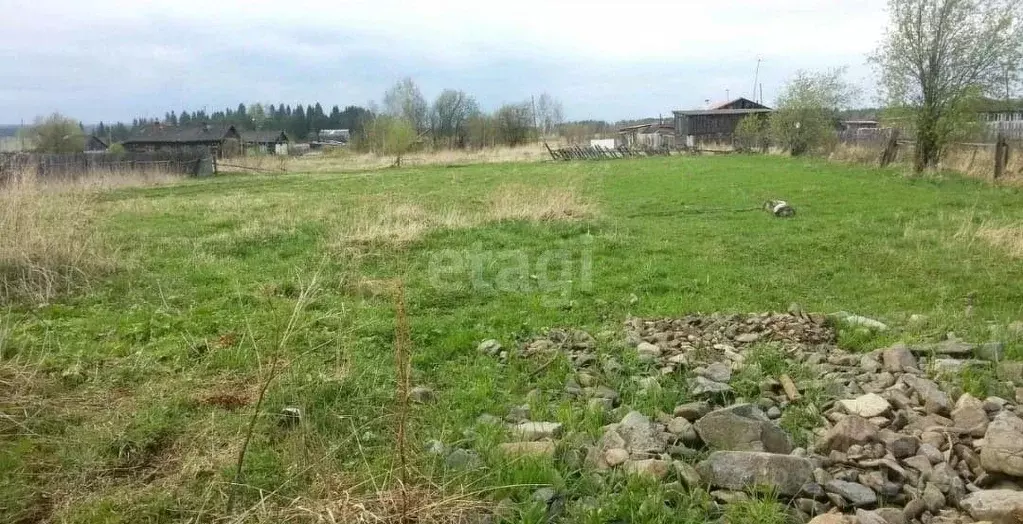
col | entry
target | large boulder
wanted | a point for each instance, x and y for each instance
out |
(743, 427)
(851, 430)
(640, 435)
(537, 430)
(648, 352)
(995, 505)
(706, 386)
(866, 406)
(830, 518)
(898, 358)
(932, 397)
(717, 372)
(541, 449)
(653, 468)
(1003, 445)
(692, 411)
(970, 415)
(740, 470)
(857, 494)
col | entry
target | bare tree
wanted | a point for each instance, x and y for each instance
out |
(549, 114)
(515, 123)
(405, 101)
(450, 116)
(937, 55)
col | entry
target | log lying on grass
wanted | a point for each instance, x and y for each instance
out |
(779, 208)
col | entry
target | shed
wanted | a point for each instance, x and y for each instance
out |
(703, 125)
(338, 136)
(653, 135)
(855, 125)
(221, 140)
(95, 144)
(268, 142)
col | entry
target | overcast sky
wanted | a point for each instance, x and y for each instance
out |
(119, 59)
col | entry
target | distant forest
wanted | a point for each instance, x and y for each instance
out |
(298, 121)
(303, 121)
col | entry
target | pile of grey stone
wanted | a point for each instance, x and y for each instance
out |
(897, 441)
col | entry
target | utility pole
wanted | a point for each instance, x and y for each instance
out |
(728, 96)
(756, 78)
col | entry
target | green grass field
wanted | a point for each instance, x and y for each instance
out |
(128, 400)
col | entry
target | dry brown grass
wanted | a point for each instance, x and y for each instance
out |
(856, 154)
(976, 161)
(50, 242)
(255, 163)
(426, 505)
(51, 238)
(388, 220)
(1009, 237)
(347, 161)
(1004, 235)
(979, 162)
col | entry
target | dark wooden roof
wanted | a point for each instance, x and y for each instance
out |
(739, 103)
(705, 112)
(161, 134)
(95, 140)
(264, 137)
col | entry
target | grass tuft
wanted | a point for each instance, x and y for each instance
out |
(765, 510)
(394, 221)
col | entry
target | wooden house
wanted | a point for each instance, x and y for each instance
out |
(265, 142)
(221, 140)
(95, 144)
(716, 124)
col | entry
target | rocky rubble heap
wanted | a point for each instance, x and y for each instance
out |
(895, 442)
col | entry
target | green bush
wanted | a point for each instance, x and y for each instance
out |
(752, 134)
(807, 111)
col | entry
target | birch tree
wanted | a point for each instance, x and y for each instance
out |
(938, 55)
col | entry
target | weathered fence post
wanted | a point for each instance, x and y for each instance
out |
(1001, 155)
(891, 149)
(549, 150)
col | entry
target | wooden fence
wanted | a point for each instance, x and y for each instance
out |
(78, 165)
(596, 152)
(889, 143)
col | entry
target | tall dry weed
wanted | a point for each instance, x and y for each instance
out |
(973, 160)
(52, 242)
(1005, 235)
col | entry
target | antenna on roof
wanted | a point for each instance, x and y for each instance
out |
(728, 96)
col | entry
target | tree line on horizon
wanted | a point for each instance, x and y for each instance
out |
(298, 121)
